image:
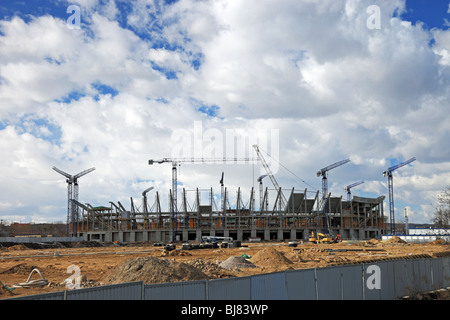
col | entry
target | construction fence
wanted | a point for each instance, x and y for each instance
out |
(379, 280)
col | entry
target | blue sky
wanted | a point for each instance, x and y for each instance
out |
(138, 74)
(433, 14)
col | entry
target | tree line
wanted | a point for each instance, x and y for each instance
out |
(441, 218)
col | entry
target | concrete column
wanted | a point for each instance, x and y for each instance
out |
(361, 234)
(108, 236)
(280, 235)
(239, 235)
(293, 234)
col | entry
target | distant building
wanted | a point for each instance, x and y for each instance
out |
(35, 230)
(428, 231)
(422, 235)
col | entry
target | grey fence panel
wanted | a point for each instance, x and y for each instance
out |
(195, 290)
(446, 272)
(422, 275)
(387, 280)
(352, 283)
(403, 274)
(301, 284)
(230, 289)
(163, 292)
(437, 266)
(328, 283)
(270, 286)
(123, 291)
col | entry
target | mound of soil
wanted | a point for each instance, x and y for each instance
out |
(153, 270)
(236, 262)
(438, 242)
(210, 268)
(373, 242)
(86, 244)
(394, 240)
(18, 247)
(270, 256)
(21, 268)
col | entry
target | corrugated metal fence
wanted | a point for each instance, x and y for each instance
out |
(381, 280)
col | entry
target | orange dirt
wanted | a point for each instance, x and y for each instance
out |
(113, 264)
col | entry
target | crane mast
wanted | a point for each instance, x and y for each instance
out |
(323, 172)
(388, 173)
(72, 194)
(271, 176)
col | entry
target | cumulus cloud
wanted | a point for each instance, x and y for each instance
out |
(113, 94)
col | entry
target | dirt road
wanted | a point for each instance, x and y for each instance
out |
(99, 265)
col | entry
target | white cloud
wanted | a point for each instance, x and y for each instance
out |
(312, 70)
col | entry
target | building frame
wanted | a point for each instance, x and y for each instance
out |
(360, 218)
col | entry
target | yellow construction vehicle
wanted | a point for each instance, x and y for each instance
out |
(324, 238)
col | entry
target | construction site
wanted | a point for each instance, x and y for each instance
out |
(276, 214)
(92, 264)
(224, 236)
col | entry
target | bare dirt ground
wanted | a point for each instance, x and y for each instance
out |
(112, 263)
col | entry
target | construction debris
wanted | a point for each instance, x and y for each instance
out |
(236, 262)
(33, 283)
(5, 291)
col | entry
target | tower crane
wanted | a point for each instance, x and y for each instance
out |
(177, 162)
(72, 194)
(347, 188)
(324, 172)
(388, 173)
(271, 176)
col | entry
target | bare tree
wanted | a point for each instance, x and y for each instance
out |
(441, 217)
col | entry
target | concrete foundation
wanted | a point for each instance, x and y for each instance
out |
(241, 235)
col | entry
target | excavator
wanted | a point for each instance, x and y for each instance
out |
(324, 238)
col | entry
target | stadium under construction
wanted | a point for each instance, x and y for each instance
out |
(359, 218)
(276, 214)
